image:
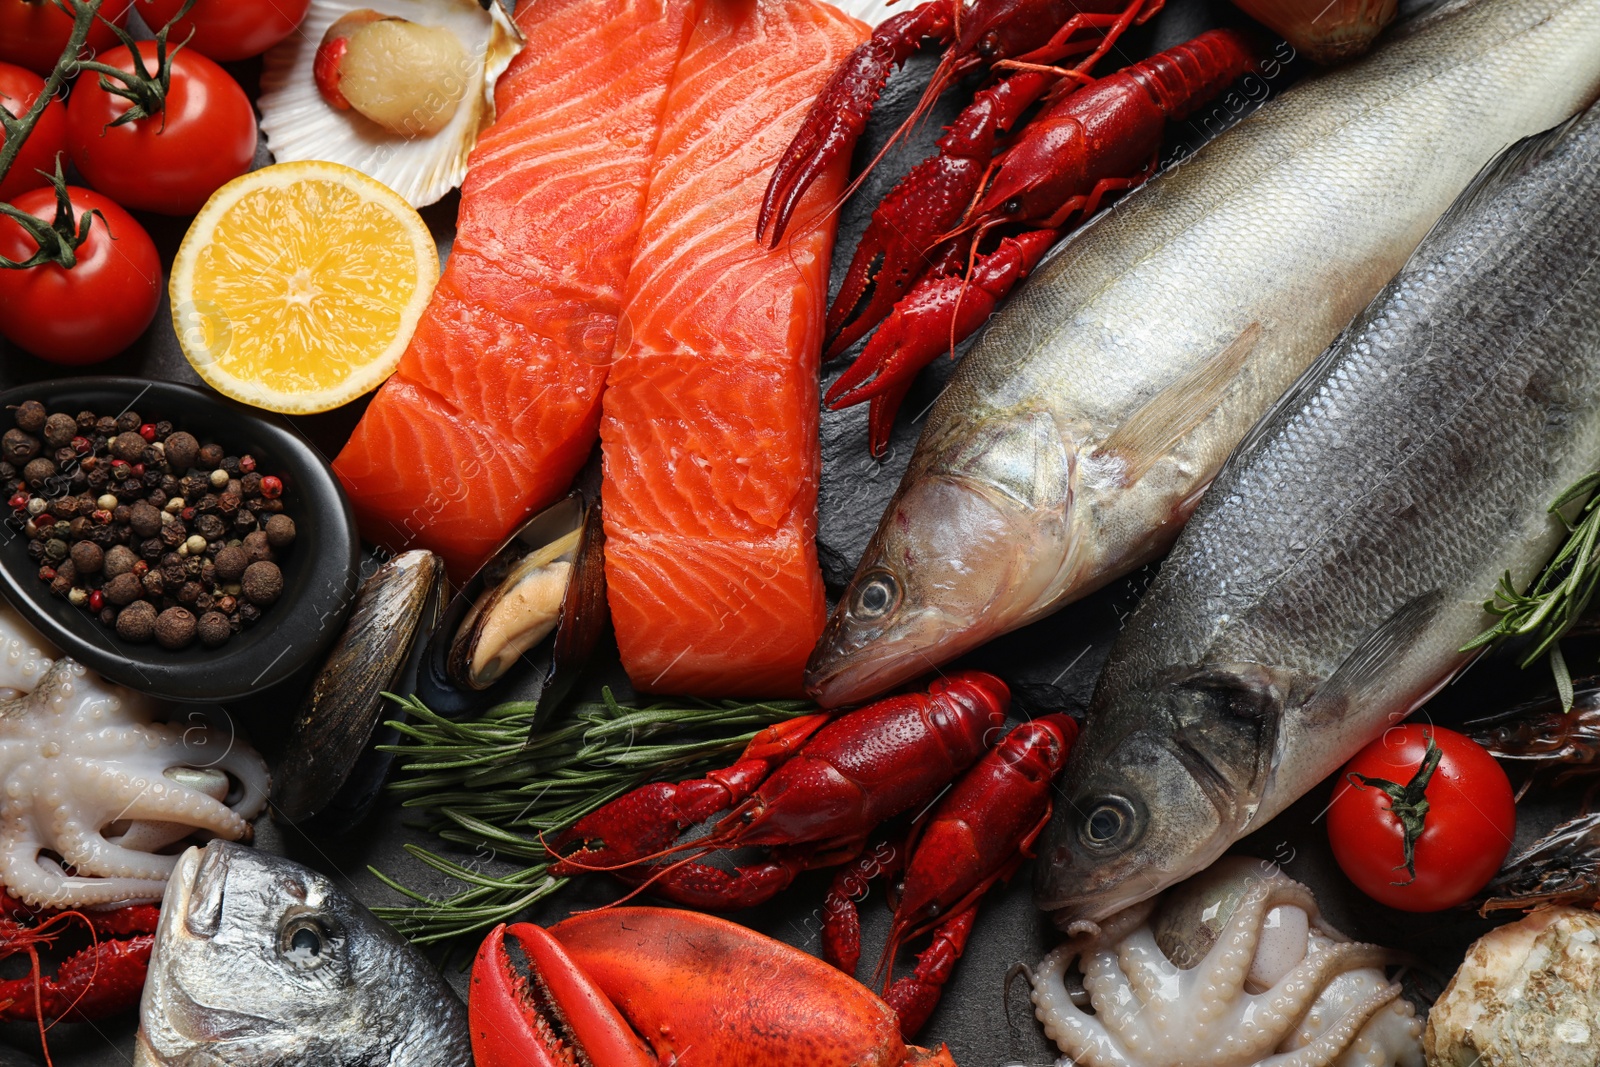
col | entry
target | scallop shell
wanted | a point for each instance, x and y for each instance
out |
(300, 124)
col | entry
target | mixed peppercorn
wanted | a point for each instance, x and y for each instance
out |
(159, 536)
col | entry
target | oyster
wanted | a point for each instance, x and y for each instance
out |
(300, 123)
(1527, 993)
(335, 725)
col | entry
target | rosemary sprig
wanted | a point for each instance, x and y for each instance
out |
(485, 786)
(1556, 600)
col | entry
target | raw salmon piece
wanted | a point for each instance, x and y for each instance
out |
(495, 403)
(710, 414)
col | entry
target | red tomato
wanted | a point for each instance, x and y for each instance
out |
(19, 88)
(228, 29)
(97, 308)
(173, 161)
(1468, 826)
(34, 33)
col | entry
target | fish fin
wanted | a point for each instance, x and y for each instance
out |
(1153, 430)
(1377, 651)
(1511, 163)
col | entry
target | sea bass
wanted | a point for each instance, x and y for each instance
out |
(1079, 433)
(1329, 580)
(260, 961)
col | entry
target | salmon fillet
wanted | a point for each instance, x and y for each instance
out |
(710, 419)
(496, 402)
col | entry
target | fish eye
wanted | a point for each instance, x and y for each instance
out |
(304, 941)
(1109, 823)
(877, 596)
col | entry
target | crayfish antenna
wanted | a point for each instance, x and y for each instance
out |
(660, 873)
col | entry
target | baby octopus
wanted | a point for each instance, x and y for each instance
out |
(1233, 968)
(94, 787)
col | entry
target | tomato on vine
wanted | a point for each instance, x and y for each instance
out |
(1422, 818)
(80, 280)
(34, 33)
(160, 129)
(19, 88)
(226, 30)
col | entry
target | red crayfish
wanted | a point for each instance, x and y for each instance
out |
(102, 979)
(813, 793)
(918, 267)
(586, 989)
(1028, 32)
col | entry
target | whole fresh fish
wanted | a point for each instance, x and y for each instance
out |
(1078, 434)
(1335, 569)
(260, 961)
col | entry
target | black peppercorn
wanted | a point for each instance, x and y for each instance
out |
(97, 479)
(230, 464)
(210, 527)
(155, 583)
(174, 533)
(108, 616)
(127, 422)
(31, 415)
(106, 426)
(248, 613)
(189, 592)
(209, 458)
(137, 621)
(151, 548)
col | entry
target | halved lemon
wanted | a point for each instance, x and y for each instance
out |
(299, 285)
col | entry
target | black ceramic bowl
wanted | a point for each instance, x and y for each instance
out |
(319, 571)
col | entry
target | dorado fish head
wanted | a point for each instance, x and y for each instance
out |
(969, 548)
(1158, 786)
(259, 960)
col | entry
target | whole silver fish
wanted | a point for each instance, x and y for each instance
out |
(260, 961)
(1326, 584)
(1078, 434)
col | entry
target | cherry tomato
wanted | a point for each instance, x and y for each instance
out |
(173, 161)
(228, 29)
(34, 33)
(19, 88)
(97, 308)
(1467, 828)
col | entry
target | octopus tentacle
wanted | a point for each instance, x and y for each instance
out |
(1328, 1045)
(84, 777)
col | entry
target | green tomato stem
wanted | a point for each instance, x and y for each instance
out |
(1408, 803)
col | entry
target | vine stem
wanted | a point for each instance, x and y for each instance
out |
(83, 12)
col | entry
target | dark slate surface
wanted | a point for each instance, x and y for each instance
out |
(1051, 664)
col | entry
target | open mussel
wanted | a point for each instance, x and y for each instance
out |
(545, 589)
(329, 763)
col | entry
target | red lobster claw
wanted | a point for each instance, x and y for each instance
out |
(538, 1013)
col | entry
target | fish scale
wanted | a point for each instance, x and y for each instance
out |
(1080, 431)
(1330, 578)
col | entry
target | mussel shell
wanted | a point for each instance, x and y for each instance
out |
(562, 656)
(335, 724)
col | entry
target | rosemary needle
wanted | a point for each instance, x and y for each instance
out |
(484, 786)
(1558, 596)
